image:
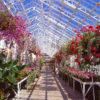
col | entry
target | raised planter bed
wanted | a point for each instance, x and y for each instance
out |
(85, 86)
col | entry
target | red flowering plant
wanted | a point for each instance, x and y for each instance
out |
(73, 46)
(86, 48)
(89, 46)
(78, 60)
(58, 57)
(66, 48)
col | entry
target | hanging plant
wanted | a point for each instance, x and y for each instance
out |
(12, 27)
(4, 20)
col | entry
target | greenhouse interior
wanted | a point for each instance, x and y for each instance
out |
(49, 49)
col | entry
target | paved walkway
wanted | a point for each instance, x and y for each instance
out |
(49, 88)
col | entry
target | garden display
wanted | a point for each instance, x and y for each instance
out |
(50, 47)
(13, 71)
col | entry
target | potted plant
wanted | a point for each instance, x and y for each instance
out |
(8, 74)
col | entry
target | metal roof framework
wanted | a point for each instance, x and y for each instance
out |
(52, 22)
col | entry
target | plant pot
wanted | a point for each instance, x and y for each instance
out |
(4, 85)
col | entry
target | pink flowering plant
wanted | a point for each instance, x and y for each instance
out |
(12, 27)
(83, 75)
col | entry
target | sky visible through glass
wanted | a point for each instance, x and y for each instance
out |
(52, 22)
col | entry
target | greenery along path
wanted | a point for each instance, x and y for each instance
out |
(46, 89)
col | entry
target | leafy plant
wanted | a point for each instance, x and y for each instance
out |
(42, 61)
(32, 75)
(8, 74)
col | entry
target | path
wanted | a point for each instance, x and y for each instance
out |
(46, 89)
(49, 88)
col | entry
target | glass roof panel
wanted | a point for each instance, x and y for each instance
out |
(53, 21)
(18, 6)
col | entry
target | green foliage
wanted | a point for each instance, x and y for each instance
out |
(68, 51)
(42, 61)
(20, 67)
(32, 75)
(85, 42)
(9, 72)
(63, 70)
(85, 66)
(64, 48)
(64, 62)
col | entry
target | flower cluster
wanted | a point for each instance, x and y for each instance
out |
(28, 69)
(79, 73)
(73, 47)
(88, 29)
(12, 27)
(89, 41)
(58, 57)
(85, 46)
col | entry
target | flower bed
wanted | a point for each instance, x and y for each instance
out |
(81, 78)
(79, 73)
(83, 75)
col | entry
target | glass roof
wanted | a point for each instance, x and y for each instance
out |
(52, 22)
